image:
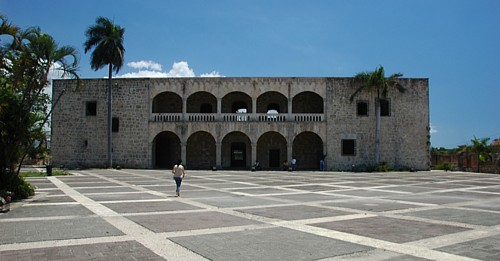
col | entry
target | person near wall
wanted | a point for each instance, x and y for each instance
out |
(179, 173)
(294, 163)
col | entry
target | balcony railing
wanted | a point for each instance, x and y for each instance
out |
(237, 117)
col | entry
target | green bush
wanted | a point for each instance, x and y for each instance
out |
(383, 167)
(17, 185)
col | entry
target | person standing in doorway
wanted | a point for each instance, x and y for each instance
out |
(294, 163)
(179, 174)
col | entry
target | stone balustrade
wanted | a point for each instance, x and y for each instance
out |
(236, 117)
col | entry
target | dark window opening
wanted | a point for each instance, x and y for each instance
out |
(385, 109)
(206, 108)
(115, 125)
(91, 108)
(239, 105)
(362, 109)
(273, 106)
(348, 147)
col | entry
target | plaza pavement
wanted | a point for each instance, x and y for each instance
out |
(129, 214)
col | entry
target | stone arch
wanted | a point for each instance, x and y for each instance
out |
(272, 101)
(167, 102)
(307, 102)
(236, 151)
(271, 150)
(166, 149)
(201, 102)
(307, 148)
(236, 100)
(200, 151)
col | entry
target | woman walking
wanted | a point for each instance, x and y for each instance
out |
(179, 174)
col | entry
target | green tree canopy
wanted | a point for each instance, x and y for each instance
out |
(24, 108)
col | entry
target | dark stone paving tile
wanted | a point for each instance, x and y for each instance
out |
(390, 229)
(43, 230)
(52, 199)
(308, 197)
(267, 244)
(412, 189)
(44, 185)
(107, 190)
(124, 196)
(201, 195)
(47, 211)
(295, 212)
(171, 188)
(92, 184)
(441, 185)
(50, 191)
(314, 188)
(459, 215)
(375, 205)
(128, 250)
(236, 201)
(427, 198)
(406, 258)
(258, 191)
(481, 249)
(188, 221)
(366, 193)
(469, 195)
(138, 207)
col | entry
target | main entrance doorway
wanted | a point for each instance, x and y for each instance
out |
(238, 154)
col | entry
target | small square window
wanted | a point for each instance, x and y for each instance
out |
(362, 108)
(348, 147)
(91, 108)
(115, 125)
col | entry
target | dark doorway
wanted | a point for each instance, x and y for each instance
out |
(274, 158)
(238, 154)
(167, 150)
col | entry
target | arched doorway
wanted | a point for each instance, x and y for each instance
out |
(236, 151)
(166, 149)
(200, 151)
(271, 150)
(308, 150)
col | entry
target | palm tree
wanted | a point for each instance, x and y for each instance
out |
(481, 148)
(377, 80)
(106, 39)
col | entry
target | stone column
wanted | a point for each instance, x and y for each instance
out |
(289, 152)
(218, 155)
(184, 108)
(183, 152)
(219, 108)
(254, 153)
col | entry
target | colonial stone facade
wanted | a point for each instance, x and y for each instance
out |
(230, 123)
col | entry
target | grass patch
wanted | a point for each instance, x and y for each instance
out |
(55, 172)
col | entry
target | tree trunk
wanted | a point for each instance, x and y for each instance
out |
(377, 129)
(110, 119)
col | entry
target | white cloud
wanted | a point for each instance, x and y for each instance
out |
(149, 65)
(212, 74)
(179, 69)
(433, 129)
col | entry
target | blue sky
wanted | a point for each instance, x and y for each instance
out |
(454, 43)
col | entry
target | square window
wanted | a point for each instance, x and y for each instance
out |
(348, 147)
(115, 125)
(362, 108)
(91, 108)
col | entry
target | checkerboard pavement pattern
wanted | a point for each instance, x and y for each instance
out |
(103, 214)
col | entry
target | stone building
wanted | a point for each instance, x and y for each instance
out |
(231, 122)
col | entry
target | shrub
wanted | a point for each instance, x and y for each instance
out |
(383, 167)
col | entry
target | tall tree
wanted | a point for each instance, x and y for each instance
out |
(24, 69)
(106, 39)
(377, 80)
(481, 148)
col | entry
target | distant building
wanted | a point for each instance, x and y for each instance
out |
(231, 122)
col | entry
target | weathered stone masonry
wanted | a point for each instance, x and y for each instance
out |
(160, 120)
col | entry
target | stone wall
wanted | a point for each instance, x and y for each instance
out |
(81, 141)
